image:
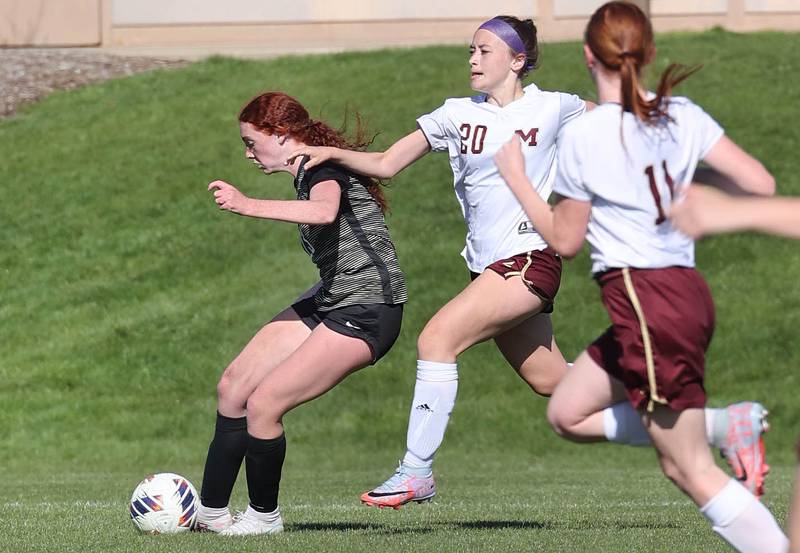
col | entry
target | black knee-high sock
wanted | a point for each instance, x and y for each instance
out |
(264, 462)
(224, 459)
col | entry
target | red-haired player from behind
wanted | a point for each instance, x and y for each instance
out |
(619, 167)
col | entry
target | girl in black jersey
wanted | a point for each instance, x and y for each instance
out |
(359, 301)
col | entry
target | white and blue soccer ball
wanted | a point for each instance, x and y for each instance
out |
(164, 503)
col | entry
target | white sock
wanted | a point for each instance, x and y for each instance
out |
(716, 426)
(622, 424)
(266, 517)
(743, 521)
(434, 397)
(211, 513)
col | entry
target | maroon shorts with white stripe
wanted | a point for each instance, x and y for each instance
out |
(540, 270)
(662, 323)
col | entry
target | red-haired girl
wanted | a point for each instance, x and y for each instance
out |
(619, 168)
(355, 310)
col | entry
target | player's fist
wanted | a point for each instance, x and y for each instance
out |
(228, 196)
(699, 212)
(509, 161)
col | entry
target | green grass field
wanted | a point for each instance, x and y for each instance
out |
(125, 293)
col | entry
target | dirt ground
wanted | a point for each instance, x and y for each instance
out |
(28, 74)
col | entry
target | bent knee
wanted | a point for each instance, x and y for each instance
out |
(226, 388)
(259, 405)
(542, 382)
(561, 419)
(677, 475)
(267, 407)
(543, 378)
(436, 342)
(689, 477)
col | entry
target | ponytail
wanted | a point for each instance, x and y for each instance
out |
(621, 38)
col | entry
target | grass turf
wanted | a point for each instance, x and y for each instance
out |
(125, 292)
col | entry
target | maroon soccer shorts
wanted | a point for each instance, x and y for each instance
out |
(540, 270)
(662, 323)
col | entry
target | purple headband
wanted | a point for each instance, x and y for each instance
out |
(506, 33)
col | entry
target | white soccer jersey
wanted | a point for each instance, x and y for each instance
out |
(472, 130)
(631, 180)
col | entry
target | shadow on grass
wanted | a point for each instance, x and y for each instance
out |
(618, 525)
(477, 525)
(398, 529)
(356, 526)
(502, 524)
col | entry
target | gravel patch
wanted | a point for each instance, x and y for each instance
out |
(28, 74)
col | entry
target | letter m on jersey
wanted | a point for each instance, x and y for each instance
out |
(529, 137)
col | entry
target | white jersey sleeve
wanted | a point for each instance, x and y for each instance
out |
(572, 106)
(707, 131)
(434, 126)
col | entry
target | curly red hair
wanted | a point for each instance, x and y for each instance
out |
(279, 113)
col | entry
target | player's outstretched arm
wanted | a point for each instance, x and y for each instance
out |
(562, 227)
(321, 208)
(735, 171)
(708, 211)
(381, 165)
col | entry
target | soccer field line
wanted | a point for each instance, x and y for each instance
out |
(121, 504)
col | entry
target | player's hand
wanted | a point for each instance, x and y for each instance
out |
(316, 155)
(696, 214)
(228, 197)
(510, 163)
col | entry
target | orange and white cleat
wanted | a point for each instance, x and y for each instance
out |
(404, 486)
(743, 447)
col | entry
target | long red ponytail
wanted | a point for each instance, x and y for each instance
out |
(621, 37)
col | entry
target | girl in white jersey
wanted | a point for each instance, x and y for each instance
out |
(515, 274)
(619, 168)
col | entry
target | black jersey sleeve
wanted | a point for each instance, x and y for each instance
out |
(328, 171)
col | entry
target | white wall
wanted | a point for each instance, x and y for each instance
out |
(576, 8)
(687, 7)
(772, 5)
(177, 12)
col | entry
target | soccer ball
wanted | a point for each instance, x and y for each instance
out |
(164, 503)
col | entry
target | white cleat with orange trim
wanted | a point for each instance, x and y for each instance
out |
(743, 446)
(403, 487)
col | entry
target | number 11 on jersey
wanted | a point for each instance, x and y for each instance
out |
(650, 172)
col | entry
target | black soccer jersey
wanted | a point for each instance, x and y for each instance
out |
(355, 256)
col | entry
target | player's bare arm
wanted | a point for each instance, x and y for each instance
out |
(707, 211)
(735, 171)
(321, 208)
(563, 227)
(381, 165)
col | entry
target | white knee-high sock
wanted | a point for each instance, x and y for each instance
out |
(744, 522)
(622, 424)
(434, 397)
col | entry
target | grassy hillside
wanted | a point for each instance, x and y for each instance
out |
(125, 292)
